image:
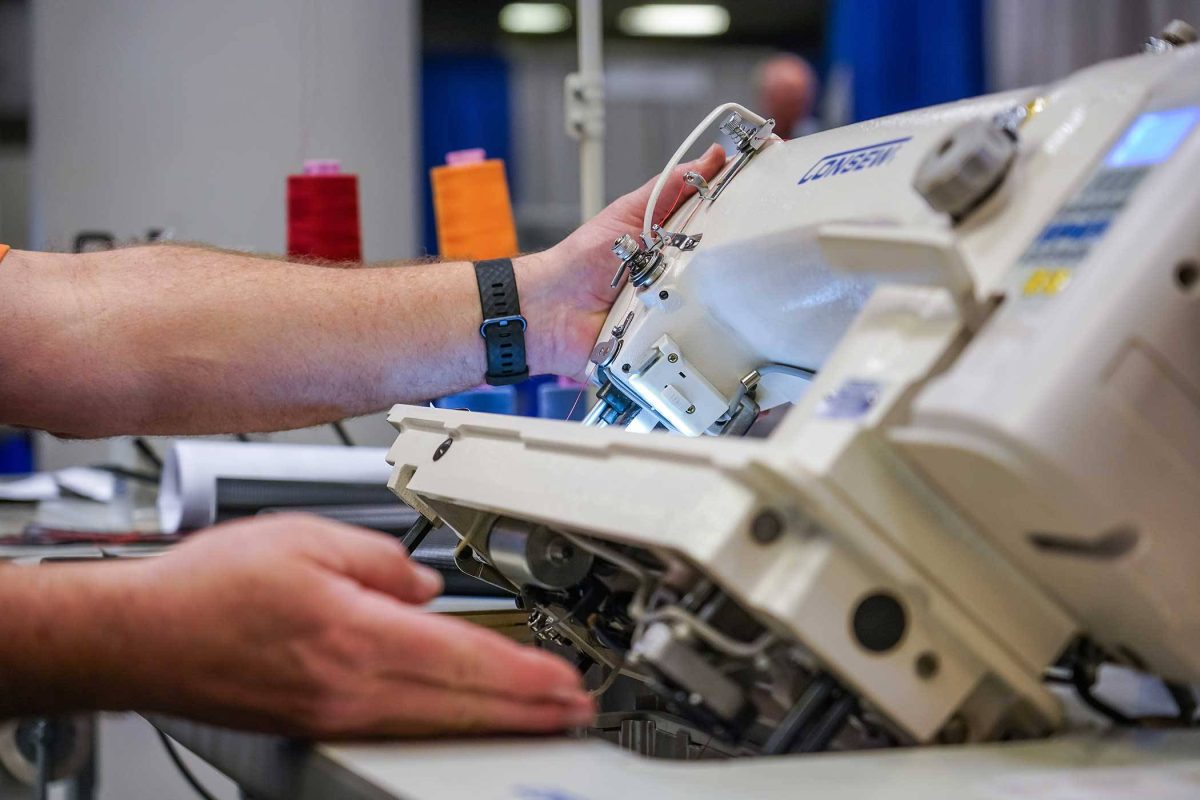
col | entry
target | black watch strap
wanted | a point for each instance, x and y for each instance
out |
(503, 328)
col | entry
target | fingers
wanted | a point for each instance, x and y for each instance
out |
(423, 709)
(710, 163)
(458, 655)
(676, 191)
(376, 561)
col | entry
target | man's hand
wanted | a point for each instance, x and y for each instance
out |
(301, 626)
(573, 277)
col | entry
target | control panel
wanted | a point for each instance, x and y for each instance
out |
(1047, 266)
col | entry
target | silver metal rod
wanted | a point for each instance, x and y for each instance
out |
(590, 27)
(593, 416)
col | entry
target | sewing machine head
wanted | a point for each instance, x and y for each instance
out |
(984, 315)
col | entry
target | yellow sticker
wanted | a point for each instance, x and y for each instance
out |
(1058, 281)
(1042, 281)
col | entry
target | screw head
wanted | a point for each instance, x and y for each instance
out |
(927, 665)
(663, 295)
(1186, 275)
(767, 526)
(625, 368)
(691, 409)
(442, 448)
(672, 358)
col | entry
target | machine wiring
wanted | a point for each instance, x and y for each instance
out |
(609, 679)
(147, 452)
(184, 771)
(674, 204)
(344, 435)
(750, 382)
(787, 369)
(652, 204)
(1079, 669)
(624, 562)
(575, 405)
(710, 635)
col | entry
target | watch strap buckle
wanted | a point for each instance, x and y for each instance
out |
(502, 322)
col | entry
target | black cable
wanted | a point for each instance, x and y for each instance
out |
(1079, 668)
(177, 760)
(1084, 663)
(342, 433)
(1185, 701)
(791, 730)
(1084, 690)
(822, 731)
(416, 534)
(788, 369)
(1083, 683)
(147, 452)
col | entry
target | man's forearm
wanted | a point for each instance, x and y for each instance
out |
(175, 340)
(67, 644)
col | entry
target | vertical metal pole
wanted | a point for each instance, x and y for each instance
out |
(590, 26)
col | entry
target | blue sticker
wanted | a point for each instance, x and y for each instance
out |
(544, 793)
(853, 399)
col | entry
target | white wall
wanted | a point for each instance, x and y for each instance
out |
(1030, 42)
(189, 115)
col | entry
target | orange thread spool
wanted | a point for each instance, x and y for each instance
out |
(473, 208)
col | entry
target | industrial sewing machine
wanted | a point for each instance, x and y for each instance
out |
(984, 317)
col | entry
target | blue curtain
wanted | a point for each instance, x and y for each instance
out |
(904, 54)
(16, 453)
(464, 104)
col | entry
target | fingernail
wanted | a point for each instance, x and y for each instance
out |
(430, 580)
(577, 717)
(568, 696)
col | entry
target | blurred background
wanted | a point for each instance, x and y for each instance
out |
(124, 116)
(128, 120)
(123, 120)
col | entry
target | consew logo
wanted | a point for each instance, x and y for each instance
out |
(860, 158)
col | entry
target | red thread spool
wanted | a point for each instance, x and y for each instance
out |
(323, 213)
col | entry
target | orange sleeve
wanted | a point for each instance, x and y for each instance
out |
(3, 251)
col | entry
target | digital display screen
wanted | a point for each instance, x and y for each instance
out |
(1153, 137)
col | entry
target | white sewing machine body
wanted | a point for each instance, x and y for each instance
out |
(999, 454)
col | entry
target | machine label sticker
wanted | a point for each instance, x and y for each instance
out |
(544, 793)
(856, 160)
(853, 399)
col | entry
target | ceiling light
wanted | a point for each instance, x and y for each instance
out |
(535, 18)
(661, 19)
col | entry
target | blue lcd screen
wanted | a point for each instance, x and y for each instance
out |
(1153, 137)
